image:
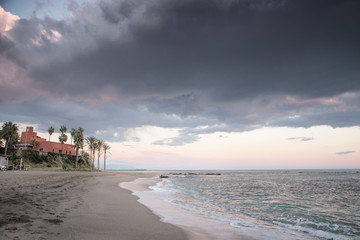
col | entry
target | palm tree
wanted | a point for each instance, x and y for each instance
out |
(90, 141)
(51, 130)
(72, 133)
(78, 141)
(85, 157)
(63, 137)
(63, 129)
(99, 146)
(106, 147)
(1, 142)
(93, 152)
(9, 133)
(34, 143)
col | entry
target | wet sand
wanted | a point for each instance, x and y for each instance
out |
(76, 205)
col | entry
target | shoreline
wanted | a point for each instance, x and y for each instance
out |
(197, 227)
(193, 204)
(77, 205)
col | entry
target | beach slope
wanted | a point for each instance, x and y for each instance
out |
(44, 205)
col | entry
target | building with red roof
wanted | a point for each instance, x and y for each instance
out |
(44, 145)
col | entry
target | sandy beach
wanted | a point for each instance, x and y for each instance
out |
(76, 205)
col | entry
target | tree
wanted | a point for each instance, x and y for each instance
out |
(34, 143)
(99, 146)
(78, 141)
(63, 129)
(85, 157)
(1, 142)
(90, 142)
(106, 148)
(72, 134)
(51, 130)
(63, 137)
(9, 133)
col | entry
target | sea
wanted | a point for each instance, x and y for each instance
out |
(271, 204)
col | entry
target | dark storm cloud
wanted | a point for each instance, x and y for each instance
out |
(321, 117)
(183, 105)
(101, 121)
(197, 62)
(228, 49)
(5, 44)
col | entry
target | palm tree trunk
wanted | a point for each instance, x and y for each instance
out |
(98, 161)
(77, 157)
(104, 161)
(6, 146)
(90, 156)
(93, 162)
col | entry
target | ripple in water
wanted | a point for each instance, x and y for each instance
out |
(319, 204)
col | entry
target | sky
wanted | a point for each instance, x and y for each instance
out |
(190, 84)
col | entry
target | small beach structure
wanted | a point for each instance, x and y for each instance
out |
(4, 162)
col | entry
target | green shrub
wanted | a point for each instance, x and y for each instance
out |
(31, 156)
(36, 158)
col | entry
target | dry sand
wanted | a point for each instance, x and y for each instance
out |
(76, 205)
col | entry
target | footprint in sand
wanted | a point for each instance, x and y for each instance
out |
(54, 221)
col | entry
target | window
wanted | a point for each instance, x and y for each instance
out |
(70, 152)
(53, 150)
(41, 149)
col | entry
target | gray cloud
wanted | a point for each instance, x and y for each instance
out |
(231, 51)
(182, 139)
(5, 44)
(302, 139)
(102, 121)
(238, 64)
(345, 153)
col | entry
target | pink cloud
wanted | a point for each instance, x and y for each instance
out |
(7, 20)
(314, 102)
